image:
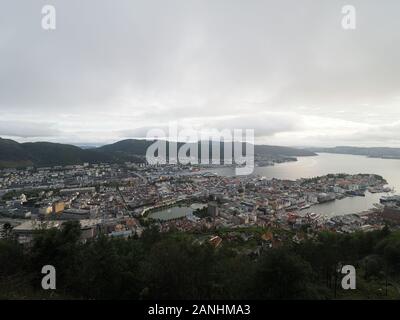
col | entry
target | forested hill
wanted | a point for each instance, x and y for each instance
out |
(14, 154)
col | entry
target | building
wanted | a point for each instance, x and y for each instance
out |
(26, 230)
(212, 209)
(391, 213)
(215, 241)
(48, 209)
(243, 218)
(78, 190)
(58, 206)
(75, 214)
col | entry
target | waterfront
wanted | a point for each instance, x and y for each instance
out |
(120, 196)
(325, 163)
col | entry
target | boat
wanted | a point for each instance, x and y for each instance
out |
(314, 215)
(386, 199)
(358, 193)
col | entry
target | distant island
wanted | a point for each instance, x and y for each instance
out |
(373, 152)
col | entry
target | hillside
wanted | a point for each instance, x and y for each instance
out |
(129, 146)
(14, 154)
(139, 147)
(282, 151)
(52, 154)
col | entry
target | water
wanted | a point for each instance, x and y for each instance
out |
(325, 163)
(175, 212)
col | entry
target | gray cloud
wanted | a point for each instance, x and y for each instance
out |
(113, 66)
(264, 125)
(27, 129)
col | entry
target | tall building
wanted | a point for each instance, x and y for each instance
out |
(212, 209)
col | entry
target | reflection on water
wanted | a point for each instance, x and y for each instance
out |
(325, 163)
(171, 213)
(346, 205)
(175, 212)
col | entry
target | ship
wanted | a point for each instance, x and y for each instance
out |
(314, 215)
(306, 206)
(387, 199)
(358, 193)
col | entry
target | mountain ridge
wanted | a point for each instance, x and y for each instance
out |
(15, 154)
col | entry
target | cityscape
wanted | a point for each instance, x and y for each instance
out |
(190, 158)
(250, 216)
(120, 201)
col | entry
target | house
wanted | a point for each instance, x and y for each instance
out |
(26, 230)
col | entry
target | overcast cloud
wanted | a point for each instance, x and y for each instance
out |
(284, 68)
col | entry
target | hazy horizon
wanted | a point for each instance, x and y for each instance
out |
(100, 144)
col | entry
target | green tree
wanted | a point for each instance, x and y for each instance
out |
(61, 249)
(6, 231)
(176, 269)
(281, 274)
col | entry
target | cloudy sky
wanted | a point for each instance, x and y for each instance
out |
(287, 69)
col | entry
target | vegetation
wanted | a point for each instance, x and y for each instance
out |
(14, 154)
(174, 266)
(43, 154)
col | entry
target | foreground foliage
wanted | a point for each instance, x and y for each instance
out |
(173, 266)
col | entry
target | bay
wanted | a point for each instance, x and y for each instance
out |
(325, 163)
